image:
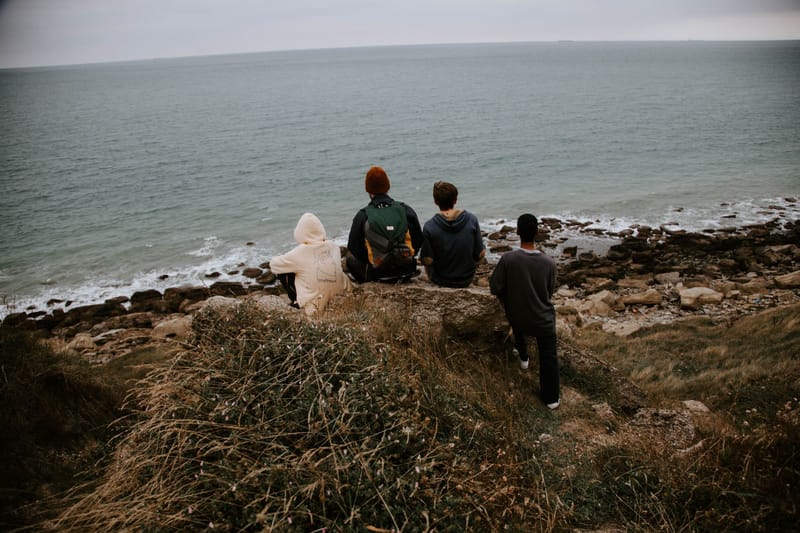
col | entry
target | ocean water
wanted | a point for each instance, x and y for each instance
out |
(116, 175)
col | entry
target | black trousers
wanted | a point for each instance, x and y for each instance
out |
(363, 272)
(287, 281)
(549, 380)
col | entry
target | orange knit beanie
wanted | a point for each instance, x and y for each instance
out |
(377, 182)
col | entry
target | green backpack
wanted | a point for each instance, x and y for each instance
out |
(387, 237)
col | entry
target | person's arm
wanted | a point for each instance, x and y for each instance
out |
(283, 264)
(426, 251)
(355, 241)
(414, 228)
(478, 249)
(497, 281)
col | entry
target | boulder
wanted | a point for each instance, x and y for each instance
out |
(695, 406)
(216, 302)
(623, 329)
(174, 328)
(605, 296)
(500, 248)
(82, 343)
(754, 286)
(228, 288)
(632, 283)
(266, 278)
(15, 319)
(599, 304)
(272, 302)
(251, 272)
(178, 298)
(696, 297)
(619, 252)
(649, 297)
(471, 313)
(92, 314)
(150, 300)
(788, 281)
(598, 284)
(671, 277)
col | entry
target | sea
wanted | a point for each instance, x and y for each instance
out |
(120, 177)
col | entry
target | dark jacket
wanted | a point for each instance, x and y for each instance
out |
(455, 247)
(525, 282)
(356, 240)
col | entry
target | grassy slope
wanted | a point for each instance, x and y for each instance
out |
(273, 423)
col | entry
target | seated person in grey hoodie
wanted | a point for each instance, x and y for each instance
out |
(453, 243)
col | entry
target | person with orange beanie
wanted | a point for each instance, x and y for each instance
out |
(364, 262)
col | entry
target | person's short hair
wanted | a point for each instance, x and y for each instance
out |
(445, 195)
(527, 227)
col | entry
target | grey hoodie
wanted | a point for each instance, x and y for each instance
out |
(454, 245)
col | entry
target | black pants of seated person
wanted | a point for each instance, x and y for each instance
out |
(362, 272)
(287, 280)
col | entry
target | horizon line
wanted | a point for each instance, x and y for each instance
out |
(405, 45)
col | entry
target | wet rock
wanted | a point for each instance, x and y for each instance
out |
(266, 278)
(177, 298)
(251, 272)
(15, 319)
(228, 288)
(92, 314)
(619, 252)
(150, 300)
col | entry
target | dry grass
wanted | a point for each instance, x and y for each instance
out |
(742, 474)
(54, 414)
(359, 421)
(274, 422)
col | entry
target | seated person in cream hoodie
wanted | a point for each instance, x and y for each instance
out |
(311, 272)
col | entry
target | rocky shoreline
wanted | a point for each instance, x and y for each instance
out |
(647, 276)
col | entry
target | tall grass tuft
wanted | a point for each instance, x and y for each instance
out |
(54, 414)
(272, 421)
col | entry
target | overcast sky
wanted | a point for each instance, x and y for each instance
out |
(52, 32)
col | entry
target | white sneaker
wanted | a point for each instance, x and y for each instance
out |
(522, 364)
(554, 405)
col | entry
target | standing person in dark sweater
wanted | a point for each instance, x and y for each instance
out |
(453, 243)
(524, 281)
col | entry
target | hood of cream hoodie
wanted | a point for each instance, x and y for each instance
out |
(309, 230)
